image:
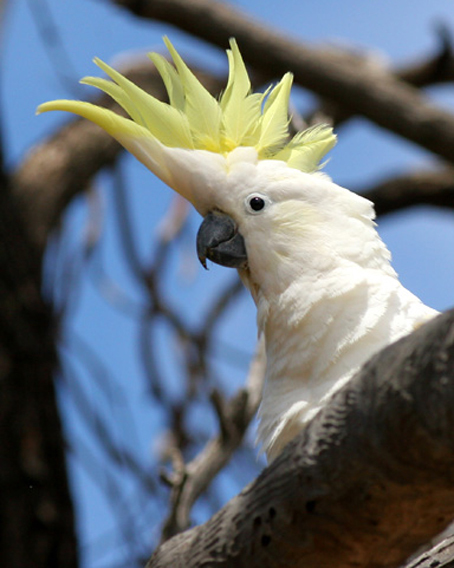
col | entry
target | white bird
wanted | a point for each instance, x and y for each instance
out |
(307, 249)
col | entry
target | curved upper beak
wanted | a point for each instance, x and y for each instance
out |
(218, 240)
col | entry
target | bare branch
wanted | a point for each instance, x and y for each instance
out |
(37, 527)
(234, 417)
(366, 483)
(116, 452)
(432, 70)
(220, 305)
(418, 188)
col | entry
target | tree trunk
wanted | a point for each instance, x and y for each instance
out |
(36, 513)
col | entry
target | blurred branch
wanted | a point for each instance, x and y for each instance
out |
(431, 70)
(108, 483)
(367, 482)
(220, 305)
(360, 89)
(125, 223)
(37, 525)
(419, 188)
(189, 481)
(205, 337)
(118, 454)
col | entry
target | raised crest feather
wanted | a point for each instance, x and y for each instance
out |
(194, 119)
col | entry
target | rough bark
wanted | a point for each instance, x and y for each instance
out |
(365, 484)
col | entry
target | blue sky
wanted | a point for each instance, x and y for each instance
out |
(35, 70)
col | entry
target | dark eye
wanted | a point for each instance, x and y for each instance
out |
(256, 203)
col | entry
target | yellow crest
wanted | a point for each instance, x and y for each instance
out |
(194, 119)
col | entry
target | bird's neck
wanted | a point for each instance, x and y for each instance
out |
(314, 344)
(320, 327)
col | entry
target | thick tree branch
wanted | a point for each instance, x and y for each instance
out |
(433, 70)
(360, 89)
(365, 484)
(36, 515)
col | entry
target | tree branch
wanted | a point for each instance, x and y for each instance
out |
(432, 70)
(367, 482)
(418, 188)
(234, 417)
(36, 515)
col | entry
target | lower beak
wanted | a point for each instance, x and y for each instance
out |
(218, 240)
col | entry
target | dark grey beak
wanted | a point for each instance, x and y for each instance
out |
(218, 240)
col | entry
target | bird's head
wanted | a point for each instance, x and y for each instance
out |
(231, 157)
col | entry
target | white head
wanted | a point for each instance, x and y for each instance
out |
(220, 154)
(233, 155)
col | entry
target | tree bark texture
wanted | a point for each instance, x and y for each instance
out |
(369, 480)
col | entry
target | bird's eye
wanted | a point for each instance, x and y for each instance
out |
(255, 203)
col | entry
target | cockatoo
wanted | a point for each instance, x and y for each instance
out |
(327, 297)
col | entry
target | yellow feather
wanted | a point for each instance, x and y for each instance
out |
(202, 109)
(171, 80)
(118, 95)
(194, 119)
(168, 124)
(240, 108)
(116, 125)
(307, 148)
(274, 121)
(238, 84)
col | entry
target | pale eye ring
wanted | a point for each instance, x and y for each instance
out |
(256, 203)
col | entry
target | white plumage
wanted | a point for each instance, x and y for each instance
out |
(327, 297)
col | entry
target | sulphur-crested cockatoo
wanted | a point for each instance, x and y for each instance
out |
(327, 297)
